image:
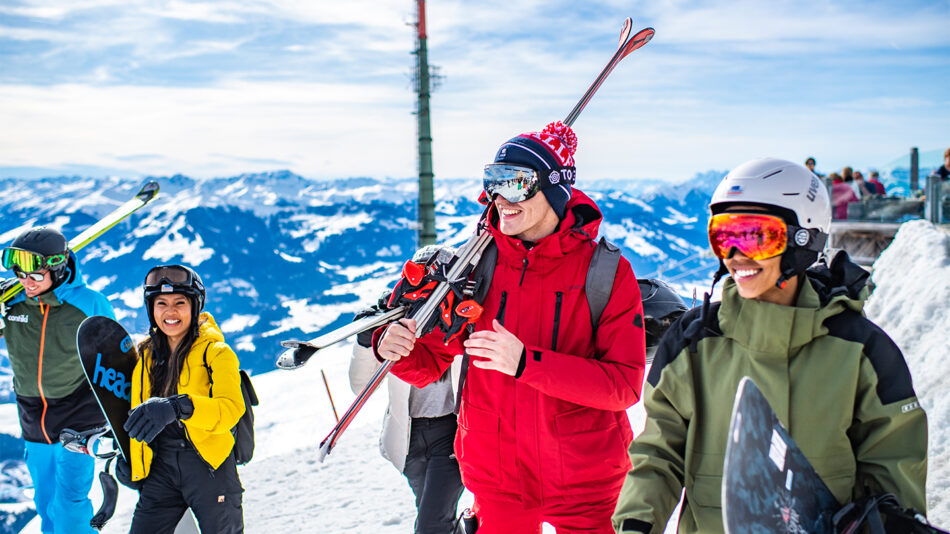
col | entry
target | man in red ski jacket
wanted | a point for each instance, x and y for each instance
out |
(543, 429)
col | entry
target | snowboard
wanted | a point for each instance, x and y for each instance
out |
(768, 485)
(108, 357)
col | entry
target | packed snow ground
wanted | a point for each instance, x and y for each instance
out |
(288, 489)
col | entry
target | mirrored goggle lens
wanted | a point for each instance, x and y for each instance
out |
(756, 236)
(512, 182)
(29, 261)
(172, 275)
(38, 277)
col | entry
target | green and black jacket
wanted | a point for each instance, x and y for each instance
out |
(836, 380)
(40, 332)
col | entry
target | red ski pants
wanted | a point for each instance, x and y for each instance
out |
(582, 516)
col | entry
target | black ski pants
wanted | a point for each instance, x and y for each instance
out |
(433, 473)
(180, 479)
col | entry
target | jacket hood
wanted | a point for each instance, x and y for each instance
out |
(208, 330)
(580, 224)
(826, 291)
(840, 280)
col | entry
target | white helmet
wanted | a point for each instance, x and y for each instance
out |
(779, 183)
(789, 190)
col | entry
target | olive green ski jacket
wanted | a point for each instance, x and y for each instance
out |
(837, 382)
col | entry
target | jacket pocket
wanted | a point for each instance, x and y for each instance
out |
(593, 450)
(707, 491)
(479, 449)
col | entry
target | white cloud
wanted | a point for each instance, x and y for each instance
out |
(722, 82)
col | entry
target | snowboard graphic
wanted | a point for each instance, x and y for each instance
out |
(768, 486)
(108, 358)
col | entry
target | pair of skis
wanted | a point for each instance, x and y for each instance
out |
(145, 195)
(461, 266)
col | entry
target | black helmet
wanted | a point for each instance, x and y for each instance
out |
(39, 248)
(172, 279)
(661, 307)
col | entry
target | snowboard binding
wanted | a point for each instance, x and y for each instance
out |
(88, 442)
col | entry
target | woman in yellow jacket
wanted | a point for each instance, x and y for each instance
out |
(180, 426)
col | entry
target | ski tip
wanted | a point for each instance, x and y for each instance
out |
(291, 343)
(625, 30)
(641, 38)
(148, 191)
(287, 361)
(324, 450)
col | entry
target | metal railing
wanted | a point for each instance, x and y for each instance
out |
(933, 205)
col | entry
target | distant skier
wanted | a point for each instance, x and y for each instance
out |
(418, 432)
(180, 424)
(543, 428)
(837, 382)
(40, 327)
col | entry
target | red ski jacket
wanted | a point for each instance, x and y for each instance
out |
(560, 430)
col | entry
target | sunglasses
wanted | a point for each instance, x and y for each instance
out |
(513, 182)
(28, 262)
(35, 276)
(168, 274)
(757, 236)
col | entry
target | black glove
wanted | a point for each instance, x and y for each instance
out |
(149, 418)
(123, 472)
(365, 338)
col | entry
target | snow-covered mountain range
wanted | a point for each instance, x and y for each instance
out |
(285, 257)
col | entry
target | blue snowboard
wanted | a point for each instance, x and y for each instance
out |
(768, 486)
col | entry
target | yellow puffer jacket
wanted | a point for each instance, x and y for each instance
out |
(209, 427)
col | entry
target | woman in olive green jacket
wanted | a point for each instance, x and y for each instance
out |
(837, 382)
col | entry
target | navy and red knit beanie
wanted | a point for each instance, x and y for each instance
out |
(550, 152)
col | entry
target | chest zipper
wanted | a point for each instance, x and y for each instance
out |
(524, 269)
(39, 373)
(557, 318)
(501, 308)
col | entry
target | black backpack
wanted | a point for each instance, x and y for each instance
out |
(243, 431)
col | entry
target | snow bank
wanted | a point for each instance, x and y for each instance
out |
(911, 302)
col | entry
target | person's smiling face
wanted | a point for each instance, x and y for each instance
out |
(528, 220)
(172, 314)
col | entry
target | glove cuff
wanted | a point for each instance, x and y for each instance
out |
(184, 408)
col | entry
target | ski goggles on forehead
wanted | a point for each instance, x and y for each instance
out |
(168, 274)
(757, 236)
(26, 261)
(513, 182)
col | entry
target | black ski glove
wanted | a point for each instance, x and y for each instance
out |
(123, 472)
(365, 338)
(149, 418)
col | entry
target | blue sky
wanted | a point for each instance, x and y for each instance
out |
(322, 87)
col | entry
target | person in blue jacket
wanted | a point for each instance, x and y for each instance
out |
(39, 325)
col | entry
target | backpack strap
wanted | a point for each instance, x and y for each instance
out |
(483, 272)
(600, 279)
(208, 367)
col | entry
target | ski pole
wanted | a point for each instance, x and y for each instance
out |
(327, 385)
